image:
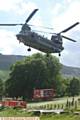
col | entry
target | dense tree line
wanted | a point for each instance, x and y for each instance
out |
(74, 87)
(1, 88)
(38, 72)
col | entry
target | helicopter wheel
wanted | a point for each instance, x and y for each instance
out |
(29, 49)
(59, 54)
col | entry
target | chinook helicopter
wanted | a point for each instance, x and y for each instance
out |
(39, 42)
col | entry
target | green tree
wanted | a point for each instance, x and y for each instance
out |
(1, 88)
(36, 71)
(74, 87)
(61, 87)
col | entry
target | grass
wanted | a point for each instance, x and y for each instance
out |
(19, 113)
(10, 112)
(60, 117)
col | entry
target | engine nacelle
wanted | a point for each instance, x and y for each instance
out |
(56, 38)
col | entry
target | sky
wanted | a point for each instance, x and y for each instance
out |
(57, 14)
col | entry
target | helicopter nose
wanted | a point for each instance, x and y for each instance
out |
(19, 38)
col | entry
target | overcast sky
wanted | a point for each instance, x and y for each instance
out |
(58, 14)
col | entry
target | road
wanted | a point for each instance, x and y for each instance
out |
(55, 101)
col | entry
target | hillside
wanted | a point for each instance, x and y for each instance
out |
(7, 60)
(4, 74)
(70, 71)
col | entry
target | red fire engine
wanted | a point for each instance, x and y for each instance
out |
(13, 103)
(43, 94)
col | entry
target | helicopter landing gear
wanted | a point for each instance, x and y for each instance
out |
(29, 49)
(59, 54)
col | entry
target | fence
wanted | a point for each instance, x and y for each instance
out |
(19, 118)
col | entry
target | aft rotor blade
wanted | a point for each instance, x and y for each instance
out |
(42, 27)
(68, 38)
(70, 27)
(10, 24)
(31, 15)
(42, 31)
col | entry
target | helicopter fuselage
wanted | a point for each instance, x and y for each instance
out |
(34, 40)
(39, 42)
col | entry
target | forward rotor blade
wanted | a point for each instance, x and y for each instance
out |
(10, 24)
(69, 27)
(31, 15)
(68, 38)
(23, 24)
